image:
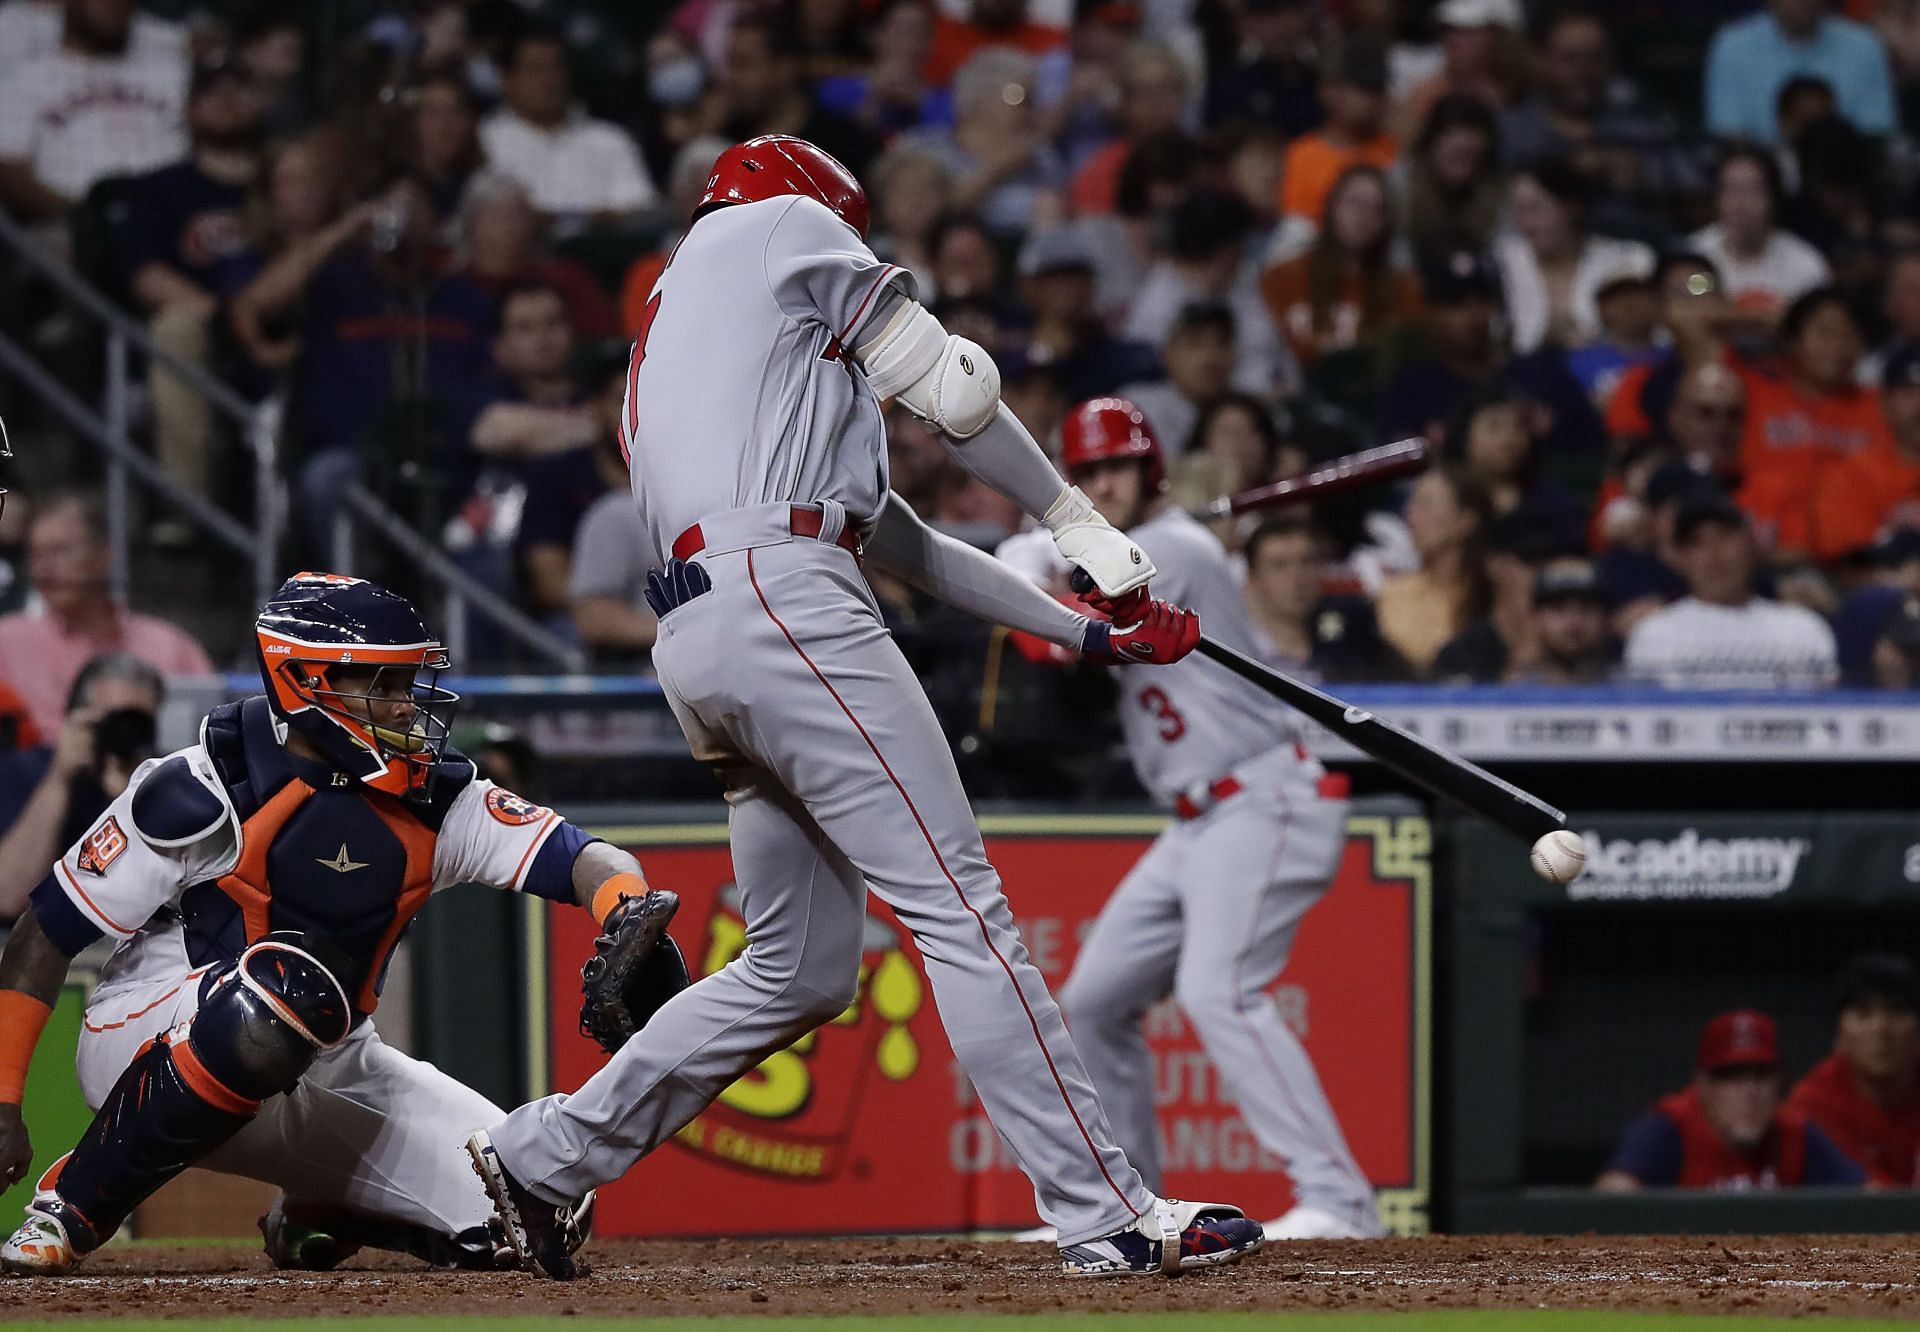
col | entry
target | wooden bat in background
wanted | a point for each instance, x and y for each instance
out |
(1368, 467)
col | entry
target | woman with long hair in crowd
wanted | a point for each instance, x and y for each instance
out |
(1453, 190)
(1348, 288)
(1551, 267)
(1450, 519)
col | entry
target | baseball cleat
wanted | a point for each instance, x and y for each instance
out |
(1304, 1222)
(39, 1248)
(541, 1235)
(304, 1239)
(1170, 1238)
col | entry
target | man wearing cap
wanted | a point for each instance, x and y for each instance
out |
(1866, 1094)
(183, 222)
(1722, 636)
(1059, 284)
(1728, 1130)
(1473, 34)
(1576, 645)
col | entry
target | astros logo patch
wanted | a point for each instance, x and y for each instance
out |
(512, 810)
(102, 847)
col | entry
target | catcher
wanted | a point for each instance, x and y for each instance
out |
(258, 882)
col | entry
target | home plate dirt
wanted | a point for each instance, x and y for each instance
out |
(1779, 1275)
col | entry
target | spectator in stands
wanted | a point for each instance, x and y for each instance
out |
(1752, 58)
(300, 220)
(1581, 112)
(1494, 435)
(1803, 101)
(1728, 1129)
(30, 29)
(1002, 167)
(1551, 267)
(1763, 267)
(1574, 639)
(1296, 626)
(1267, 76)
(1629, 307)
(1199, 356)
(1866, 1094)
(51, 795)
(1707, 421)
(1034, 391)
(1154, 94)
(445, 153)
(270, 42)
(1067, 335)
(1901, 304)
(580, 171)
(69, 561)
(763, 89)
(966, 264)
(1354, 88)
(1450, 520)
(989, 25)
(1206, 260)
(1236, 434)
(542, 411)
(184, 222)
(609, 580)
(1160, 172)
(1453, 192)
(1481, 49)
(1722, 635)
(1893, 658)
(499, 250)
(911, 190)
(101, 104)
(1462, 309)
(891, 94)
(1349, 289)
(561, 489)
(1507, 636)
(1692, 294)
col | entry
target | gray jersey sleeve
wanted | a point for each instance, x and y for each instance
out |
(820, 270)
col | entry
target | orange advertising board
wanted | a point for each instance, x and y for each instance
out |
(868, 1125)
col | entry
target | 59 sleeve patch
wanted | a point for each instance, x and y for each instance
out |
(101, 847)
(513, 810)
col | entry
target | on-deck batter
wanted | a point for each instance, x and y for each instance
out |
(1209, 913)
(758, 457)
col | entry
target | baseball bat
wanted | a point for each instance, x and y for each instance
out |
(1368, 467)
(1445, 775)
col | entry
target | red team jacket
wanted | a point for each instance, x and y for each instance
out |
(1887, 1143)
(1707, 1162)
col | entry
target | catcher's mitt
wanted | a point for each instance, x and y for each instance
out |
(635, 968)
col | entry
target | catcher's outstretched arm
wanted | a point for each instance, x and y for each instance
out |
(602, 875)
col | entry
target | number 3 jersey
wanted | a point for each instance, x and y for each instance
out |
(235, 838)
(1193, 722)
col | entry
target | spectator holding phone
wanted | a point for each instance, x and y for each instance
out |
(50, 795)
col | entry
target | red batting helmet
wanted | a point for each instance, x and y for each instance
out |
(1103, 428)
(775, 165)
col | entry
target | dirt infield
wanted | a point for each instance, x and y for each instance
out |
(1794, 1275)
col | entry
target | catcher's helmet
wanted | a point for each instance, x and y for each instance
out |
(320, 627)
(775, 165)
(1104, 428)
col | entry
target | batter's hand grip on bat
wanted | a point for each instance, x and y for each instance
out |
(1445, 775)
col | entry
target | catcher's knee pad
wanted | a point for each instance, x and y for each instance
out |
(261, 1023)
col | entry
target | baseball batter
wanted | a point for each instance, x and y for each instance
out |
(1209, 913)
(759, 463)
(257, 883)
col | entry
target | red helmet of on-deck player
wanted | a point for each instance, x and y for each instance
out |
(775, 165)
(1103, 428)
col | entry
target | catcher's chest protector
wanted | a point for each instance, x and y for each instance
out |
(345, 866)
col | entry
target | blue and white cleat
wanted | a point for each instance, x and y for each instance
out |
(1170, 1238)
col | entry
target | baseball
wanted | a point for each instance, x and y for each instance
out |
(1560, 856)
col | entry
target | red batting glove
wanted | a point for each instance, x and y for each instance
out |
(1128, 608)
(1164, 634)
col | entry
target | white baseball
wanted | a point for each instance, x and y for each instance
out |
(1560, 856)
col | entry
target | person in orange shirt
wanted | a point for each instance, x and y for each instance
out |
(1879, 487)
(988, 23)
(1354, 88)
(1345, 291)
(1866, 1094)
(1811, 429)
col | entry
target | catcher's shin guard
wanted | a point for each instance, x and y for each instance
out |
(256, 1031)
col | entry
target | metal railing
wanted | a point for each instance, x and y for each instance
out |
(108, 429)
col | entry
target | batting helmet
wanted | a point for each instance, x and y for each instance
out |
(1104, 428)
(321, 627)
(775, 165)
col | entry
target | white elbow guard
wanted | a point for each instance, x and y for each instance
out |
(945, 380)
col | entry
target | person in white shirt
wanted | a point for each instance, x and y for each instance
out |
(1723, 636)
(1764, 267)
(1552, 268)
(33, 28)
(578, 169)
(92, 108)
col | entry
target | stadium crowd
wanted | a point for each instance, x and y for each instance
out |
(1647, 277)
